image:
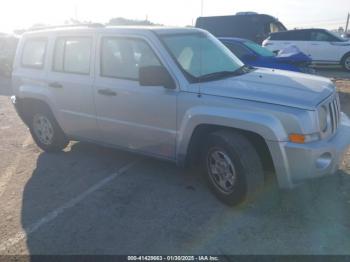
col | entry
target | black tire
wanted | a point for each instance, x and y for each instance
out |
(345, 62)
(58, 141)
(247, 165)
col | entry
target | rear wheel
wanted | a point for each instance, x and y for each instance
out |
(232, 167)
(346, 62)
(45, 130)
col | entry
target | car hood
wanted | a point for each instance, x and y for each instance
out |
(272, 86)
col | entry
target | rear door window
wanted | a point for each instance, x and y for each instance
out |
(72, 55)
(321, 36)
(33, 55)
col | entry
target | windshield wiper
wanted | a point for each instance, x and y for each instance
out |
(216, 75)
(223, 74)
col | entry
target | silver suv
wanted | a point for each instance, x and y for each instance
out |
(179, 95)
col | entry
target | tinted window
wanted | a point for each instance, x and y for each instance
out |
(72, 55)
(321, 36)
(238, 49)
(291, 36)
(34, 53)
(122, 58)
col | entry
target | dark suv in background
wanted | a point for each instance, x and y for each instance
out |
(248, 25)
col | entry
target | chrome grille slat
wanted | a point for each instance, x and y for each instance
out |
(338, 110)
(332, 116)
(334, 111)
(335, 114)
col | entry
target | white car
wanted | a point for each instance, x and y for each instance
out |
(322, 46)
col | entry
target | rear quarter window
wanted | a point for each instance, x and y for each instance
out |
(33, 54)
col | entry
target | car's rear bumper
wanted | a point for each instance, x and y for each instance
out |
(298, 162)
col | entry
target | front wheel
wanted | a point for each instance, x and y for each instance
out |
(346, 62)
(232, 167)
(46, 132)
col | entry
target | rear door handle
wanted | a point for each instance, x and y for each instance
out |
(55, 85)
(107, 92)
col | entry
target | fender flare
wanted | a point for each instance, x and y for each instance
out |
(265, 125)
(39, 93)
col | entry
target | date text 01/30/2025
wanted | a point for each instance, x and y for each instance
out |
(173, 258)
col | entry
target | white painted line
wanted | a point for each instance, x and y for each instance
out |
(11, 170)
(53, 214)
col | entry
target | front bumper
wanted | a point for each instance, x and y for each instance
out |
(298, 162)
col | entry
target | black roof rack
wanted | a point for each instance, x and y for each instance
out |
(92, 25)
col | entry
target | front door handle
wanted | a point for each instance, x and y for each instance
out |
(55, 85)
(107, 92)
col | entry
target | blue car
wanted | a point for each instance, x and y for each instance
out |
(252, 54)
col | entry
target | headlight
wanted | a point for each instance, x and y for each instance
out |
(324, 119)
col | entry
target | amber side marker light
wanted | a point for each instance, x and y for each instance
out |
(297, 138)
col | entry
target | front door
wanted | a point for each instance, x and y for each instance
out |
(131, 116)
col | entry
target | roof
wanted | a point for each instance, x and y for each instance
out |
(235, 39)
(296, 30)
(135, 29)
(243, 14)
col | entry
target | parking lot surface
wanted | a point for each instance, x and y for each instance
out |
(94, 200)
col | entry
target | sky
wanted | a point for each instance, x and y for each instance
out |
(18, 14)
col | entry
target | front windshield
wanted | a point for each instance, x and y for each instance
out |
(259, 49)
(200, 54)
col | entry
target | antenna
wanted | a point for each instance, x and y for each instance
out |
(202, 7)
(200, 67)
(76, 12)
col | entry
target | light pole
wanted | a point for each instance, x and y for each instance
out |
(202, 7)
(347, 24)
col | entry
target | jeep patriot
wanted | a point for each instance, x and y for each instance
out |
(178, 94)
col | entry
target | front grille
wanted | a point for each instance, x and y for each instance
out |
(334, 110)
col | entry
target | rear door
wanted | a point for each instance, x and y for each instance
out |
(323, 48)
(70, 80)
(29, 72)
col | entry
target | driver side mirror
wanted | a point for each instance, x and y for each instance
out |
(156, 76)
